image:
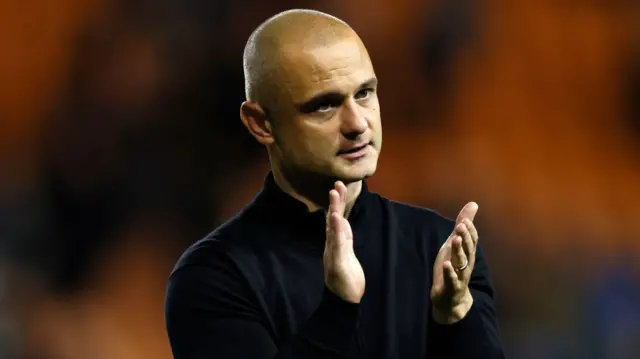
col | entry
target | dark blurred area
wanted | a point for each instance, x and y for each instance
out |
(120, 144)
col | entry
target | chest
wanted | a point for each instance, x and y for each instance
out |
(394, 309)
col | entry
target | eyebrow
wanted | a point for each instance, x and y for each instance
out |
(331, 96)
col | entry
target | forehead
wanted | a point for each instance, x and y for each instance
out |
(342, 67)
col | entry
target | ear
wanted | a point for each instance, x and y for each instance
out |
(255, 120)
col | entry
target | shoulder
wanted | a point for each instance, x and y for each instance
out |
(218, 247)
(211, 268)
(208, 281)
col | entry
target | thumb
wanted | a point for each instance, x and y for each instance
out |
(468, 211)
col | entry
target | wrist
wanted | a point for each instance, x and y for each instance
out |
(456, 313)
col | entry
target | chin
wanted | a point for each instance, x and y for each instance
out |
(356, 173)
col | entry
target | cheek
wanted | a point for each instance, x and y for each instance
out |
(318, 144)
(374, 122)
(373, 113)
(321, 147)
(304, 145)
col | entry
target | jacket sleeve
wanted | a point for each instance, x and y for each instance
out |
(477, 334)
(211, 312)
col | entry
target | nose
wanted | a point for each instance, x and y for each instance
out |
(354, 122)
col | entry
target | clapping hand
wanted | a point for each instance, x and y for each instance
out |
(450, 295)
(343, 273)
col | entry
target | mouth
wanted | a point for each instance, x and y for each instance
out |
(355, 152)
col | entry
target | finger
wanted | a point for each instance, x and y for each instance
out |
(336, 222)
(472, 230)
(341, 187)
(342, 241)
(332, 245)
(334, 228)
(346, 235)
(342, 191)
(471, 245)
(467, 242)
(468, 211)
(334, 202)
(458, 257)
(451, 281)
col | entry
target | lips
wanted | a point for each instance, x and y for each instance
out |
(353, 149)
(355, 153)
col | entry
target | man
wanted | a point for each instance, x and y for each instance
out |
(317, 266)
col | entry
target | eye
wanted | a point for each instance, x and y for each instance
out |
(363, 94)
(327, 104)
(324, 108)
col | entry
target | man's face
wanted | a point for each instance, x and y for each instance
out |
(328, 121)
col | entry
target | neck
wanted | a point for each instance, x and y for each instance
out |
(314, 192)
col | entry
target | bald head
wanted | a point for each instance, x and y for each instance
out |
(285, 34)
(311, 97)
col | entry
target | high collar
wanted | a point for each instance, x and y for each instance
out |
(273, 199)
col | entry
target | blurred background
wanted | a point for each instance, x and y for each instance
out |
(120, 144)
